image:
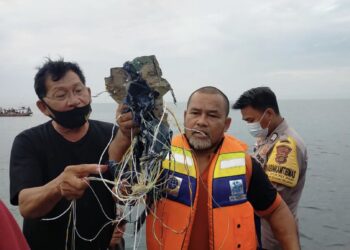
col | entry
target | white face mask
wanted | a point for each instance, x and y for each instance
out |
(256, 130)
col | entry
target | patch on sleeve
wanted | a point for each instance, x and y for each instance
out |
(282, 166)
(282, 153)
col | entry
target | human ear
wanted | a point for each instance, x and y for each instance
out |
(42, 107)
(227, 123)
(270, 112)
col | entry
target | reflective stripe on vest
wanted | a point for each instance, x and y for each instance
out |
(229, 180)
(231, 225)
(180, 175)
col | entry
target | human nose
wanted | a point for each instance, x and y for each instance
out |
(72, 99)
(202, 120)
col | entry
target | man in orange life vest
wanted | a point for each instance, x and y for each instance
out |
(212, 187)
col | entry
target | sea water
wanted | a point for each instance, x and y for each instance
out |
(323, 124)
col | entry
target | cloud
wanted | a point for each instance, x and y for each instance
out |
(231, 44)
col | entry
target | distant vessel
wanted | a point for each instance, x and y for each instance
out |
(22, 111)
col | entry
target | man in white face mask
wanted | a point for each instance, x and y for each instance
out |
(280, 150)
(256, 130)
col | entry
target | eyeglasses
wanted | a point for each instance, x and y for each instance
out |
(64, 94)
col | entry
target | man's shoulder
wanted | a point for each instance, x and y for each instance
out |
(34, 131)
(291, 134)
(234, 141)
(33, 138)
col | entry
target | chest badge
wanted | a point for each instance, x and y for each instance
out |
(237, 190)
(273, 137)
(173, 185)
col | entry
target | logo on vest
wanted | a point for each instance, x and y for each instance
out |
(173, 185)
(237, 190)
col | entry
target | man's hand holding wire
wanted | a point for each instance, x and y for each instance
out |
(73, 181)
(127, 129)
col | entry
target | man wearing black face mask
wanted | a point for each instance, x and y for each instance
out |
(50, 164)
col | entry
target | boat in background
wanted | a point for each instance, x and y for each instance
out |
(22, 111)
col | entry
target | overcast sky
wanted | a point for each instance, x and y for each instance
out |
(301, 49)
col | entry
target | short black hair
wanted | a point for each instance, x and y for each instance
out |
(55, 70)
(259, 98)
(212, 90)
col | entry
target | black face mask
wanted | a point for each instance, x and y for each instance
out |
(74, 118)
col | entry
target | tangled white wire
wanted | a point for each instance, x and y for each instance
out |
(131, 193)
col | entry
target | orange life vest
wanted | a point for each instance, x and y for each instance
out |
(231, 217)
